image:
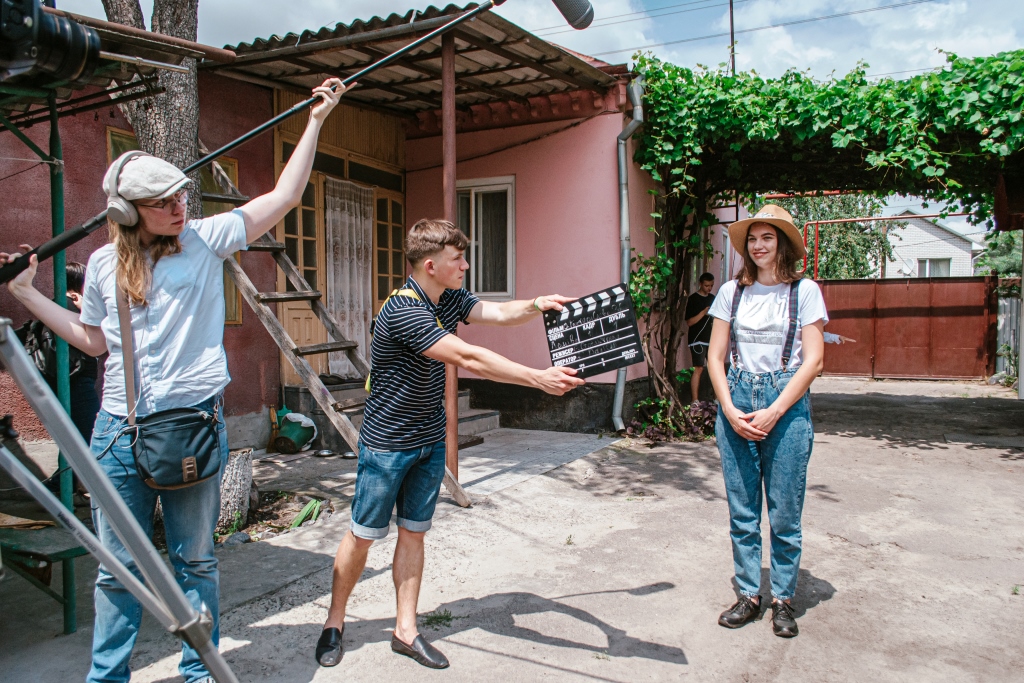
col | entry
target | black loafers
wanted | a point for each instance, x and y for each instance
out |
(743, 612)
(421, 651)
(328, 648)
(783, 621)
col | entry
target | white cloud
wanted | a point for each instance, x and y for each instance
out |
(890, 40)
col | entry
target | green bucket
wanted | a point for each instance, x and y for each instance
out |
(292, 436)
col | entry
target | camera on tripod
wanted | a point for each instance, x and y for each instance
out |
(38, 47)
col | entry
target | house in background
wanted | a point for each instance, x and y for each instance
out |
(537, 193)
(926, 247)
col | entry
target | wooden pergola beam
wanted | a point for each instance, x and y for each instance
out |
(468, 81)
(370, 83)
(525, 61)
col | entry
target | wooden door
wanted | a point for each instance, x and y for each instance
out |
(302, 233)
(389, 270)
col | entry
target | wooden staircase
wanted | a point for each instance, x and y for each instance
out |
(336, 411)
(260, 302)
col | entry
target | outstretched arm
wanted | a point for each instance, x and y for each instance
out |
(266, 211)
(515, 312)
(65, 324)
(490, 365)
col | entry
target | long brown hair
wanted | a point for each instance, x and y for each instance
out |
(784, 268)
(134, 270)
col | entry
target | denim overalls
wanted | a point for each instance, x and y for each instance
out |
(780, 461)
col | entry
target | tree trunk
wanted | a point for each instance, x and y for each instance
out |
(235, 489)
(167, 125)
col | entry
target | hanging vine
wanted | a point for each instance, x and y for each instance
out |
(944, 136)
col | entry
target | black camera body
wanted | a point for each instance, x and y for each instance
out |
(38, 47)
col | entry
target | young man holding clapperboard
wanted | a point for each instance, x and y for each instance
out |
(401, 444)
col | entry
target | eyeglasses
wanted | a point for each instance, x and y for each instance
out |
(179, 197)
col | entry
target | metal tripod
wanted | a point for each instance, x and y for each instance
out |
(160, 594)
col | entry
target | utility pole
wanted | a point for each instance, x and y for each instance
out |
(732, 41)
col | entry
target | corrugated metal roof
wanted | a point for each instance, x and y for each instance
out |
(495, 61)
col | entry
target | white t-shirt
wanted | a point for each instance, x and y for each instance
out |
(762, 322)
(179, 336)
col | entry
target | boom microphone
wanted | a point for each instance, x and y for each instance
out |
(579, 13)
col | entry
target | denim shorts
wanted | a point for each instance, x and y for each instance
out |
(408, 479)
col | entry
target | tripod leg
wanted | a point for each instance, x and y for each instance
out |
(24, 479)
(157, 575)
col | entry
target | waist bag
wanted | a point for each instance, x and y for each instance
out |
(174, 448)
(398, 292)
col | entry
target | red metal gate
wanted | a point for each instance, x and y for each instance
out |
(915, 328)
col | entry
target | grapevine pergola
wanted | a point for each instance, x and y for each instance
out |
(949, 136)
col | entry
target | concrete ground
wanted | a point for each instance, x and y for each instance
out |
(614, 566)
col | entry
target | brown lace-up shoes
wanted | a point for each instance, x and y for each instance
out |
(743, 612)
(783, 621)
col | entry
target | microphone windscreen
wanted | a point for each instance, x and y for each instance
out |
(579, 13)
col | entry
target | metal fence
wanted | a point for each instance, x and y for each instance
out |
(1009, 327)
(915, 328)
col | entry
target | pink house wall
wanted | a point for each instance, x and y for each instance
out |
(566, 213)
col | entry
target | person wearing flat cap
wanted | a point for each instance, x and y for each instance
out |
(768, 327)
(170, 275)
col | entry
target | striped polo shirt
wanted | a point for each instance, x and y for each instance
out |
(405, 409)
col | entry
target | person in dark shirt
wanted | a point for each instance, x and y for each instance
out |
(697, 306)
(85, 402)
(401, 441)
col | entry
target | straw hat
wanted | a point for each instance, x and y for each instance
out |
(773, 215)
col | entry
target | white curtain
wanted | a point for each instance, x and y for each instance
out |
(349, 218)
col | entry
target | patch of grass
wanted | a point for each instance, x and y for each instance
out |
(1015, 590)
(569, 541)
(601, 655)
(438, 619)
(236, 524)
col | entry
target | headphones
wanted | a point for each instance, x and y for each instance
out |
(119, 209)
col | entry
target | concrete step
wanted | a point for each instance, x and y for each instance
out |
(476, 421)
(471, 421)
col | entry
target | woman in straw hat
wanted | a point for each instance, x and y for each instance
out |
(768, 326)
(171, 273)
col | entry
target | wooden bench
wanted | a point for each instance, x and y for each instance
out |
(31, 553)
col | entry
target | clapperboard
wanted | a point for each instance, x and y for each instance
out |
(596, 333)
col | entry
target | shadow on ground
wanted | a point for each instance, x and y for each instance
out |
(628, 469)
(811, 591)
(901, 421)
(496, 614)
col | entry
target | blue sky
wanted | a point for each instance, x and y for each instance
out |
(899, 40)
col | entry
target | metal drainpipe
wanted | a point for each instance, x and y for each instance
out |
(635, 93)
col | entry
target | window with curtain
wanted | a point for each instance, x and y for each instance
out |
(121, 141)
(486, 215)
(933, 267)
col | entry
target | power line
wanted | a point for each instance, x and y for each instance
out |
(763, 28)
(22, 170)
(644, 18)
(628, 14)
(905, 71)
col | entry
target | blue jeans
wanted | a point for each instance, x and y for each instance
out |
(778, 466)
(408, 479)
(190, 516)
